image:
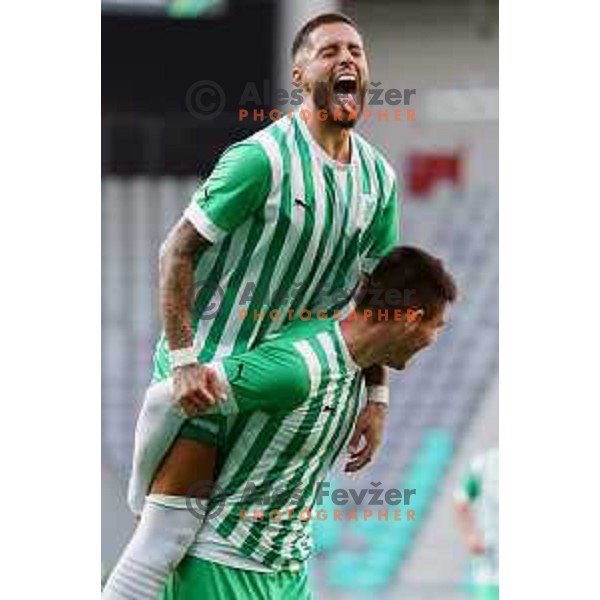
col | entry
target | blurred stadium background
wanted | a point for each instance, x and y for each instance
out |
(155, 150)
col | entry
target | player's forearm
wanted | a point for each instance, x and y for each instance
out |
(178, 260)
(176, 288)
(376, 375)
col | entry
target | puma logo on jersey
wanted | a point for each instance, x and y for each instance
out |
(202, 196)
(239, 372)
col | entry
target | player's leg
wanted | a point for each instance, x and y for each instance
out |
(167, 526)
(197, 578)
(157, 427)
(190, 462)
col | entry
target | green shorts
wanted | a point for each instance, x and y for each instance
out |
(197, 579)
(208, 429)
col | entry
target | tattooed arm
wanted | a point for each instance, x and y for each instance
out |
(193, 385)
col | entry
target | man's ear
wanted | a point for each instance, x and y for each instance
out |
(297, 75)
(414, 317)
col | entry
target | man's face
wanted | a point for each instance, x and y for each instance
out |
(411, 337)
(333, 69)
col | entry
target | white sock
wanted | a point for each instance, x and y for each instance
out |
(156, 429)
(166, 530)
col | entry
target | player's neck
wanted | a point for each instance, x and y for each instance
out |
(363, 341)
(334, 140)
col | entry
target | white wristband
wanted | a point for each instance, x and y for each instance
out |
(380, 394)
(183, 357)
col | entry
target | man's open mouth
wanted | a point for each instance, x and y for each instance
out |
(345, 90)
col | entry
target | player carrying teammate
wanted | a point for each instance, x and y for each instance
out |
(300, 395)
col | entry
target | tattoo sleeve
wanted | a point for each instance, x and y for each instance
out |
(178, 259)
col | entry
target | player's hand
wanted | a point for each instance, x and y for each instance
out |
(370, 425)
(196, 388)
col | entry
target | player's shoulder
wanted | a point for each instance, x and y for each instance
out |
(282, 364)
(314, 342)
(301, 329)
(260, 152)
(248, 151)
(243, 162)
(371, 153)
(272, 136)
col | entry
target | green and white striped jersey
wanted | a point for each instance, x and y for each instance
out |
(291, 406)
(291, 229)
(480, 488)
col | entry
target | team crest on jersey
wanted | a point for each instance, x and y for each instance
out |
(367, 207)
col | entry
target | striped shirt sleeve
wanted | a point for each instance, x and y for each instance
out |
(237, 187)
(271, 378)
(384, 231)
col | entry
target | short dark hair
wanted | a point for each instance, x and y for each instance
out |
(408, 277)
(301, 38)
